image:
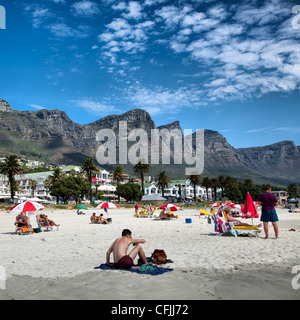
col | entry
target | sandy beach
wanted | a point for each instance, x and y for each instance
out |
(61, 264)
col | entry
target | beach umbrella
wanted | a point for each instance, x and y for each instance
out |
(249, 210)
(27, 206)
(170, 207)
(107, 205)
(236, 207)
(82, 207)
(216, 204)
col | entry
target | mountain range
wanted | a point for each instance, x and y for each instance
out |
(51, 136)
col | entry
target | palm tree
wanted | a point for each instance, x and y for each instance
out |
(118, 176)
(57, 175)
(141, 168)
(206, 183)
(195, 180)
(33, 185)
(47, 184)
(222, 184)
(10, 168)
(293, 190)
(90, 169)
(215, 185)
(163, 181)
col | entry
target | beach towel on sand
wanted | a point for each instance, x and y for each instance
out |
(144, 269)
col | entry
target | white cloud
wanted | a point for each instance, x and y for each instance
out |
(61, 30)
(85, 8)
(245, 49)
(59, 1)
(37, 107)
(134, 11)
(123, 37)
(39, 14)
(95, 107)
(154, 2)
(159, 100)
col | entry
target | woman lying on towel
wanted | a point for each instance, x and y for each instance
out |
(227, 213)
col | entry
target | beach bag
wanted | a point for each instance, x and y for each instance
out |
(159, 256)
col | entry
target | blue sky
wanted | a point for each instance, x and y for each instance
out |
(229, 66)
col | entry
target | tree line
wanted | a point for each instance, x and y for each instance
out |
(78, 185)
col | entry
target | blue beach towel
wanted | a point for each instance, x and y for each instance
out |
(152, 270)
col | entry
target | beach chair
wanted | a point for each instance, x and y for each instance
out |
(172, 215)
(142, 214)
(42, 226)
(242, 229)
(221, 226)
(23, 230)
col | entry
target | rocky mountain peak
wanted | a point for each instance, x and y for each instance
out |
(5, 106)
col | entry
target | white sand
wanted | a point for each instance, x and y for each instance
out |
(78, 247)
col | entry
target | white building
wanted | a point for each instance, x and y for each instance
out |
(187, 190)
(24, 187)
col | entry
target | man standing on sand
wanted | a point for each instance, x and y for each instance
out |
(268, 201)
(119, 249)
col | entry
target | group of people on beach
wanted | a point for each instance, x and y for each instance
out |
(100, 219)
(120, 246)
(23, 221)
(268, 201)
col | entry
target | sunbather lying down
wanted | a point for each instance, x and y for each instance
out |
(236, 222)
(99, 220)
(165, 215)
(45, 221)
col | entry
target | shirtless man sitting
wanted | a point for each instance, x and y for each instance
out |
(119, 249)
(22, 220)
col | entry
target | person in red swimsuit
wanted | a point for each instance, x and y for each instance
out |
(119, 249)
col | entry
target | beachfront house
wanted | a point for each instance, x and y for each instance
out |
(154, 200)
(24, 190)
(172, 193)
(281, 196)
(102, 183)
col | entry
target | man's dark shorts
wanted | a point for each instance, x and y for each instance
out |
(269, 216)
(125, 262)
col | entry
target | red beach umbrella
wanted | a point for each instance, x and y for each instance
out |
(27, 206)
(107, 205)
(216, 204)
(237, 207)
(170, 207)
(249, 210)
